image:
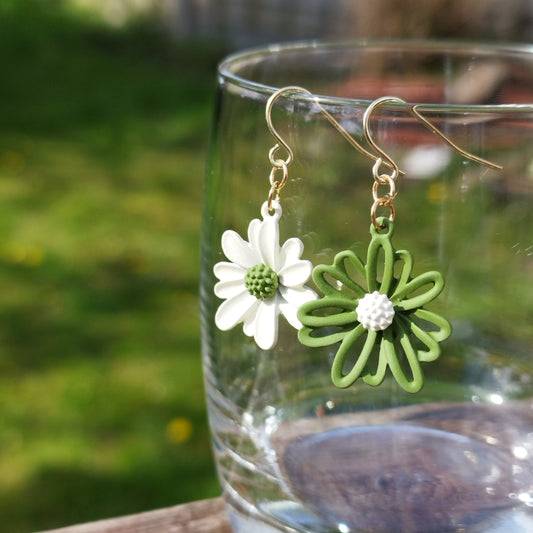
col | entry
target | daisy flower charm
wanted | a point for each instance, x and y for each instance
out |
(261, 280)
(374, 309)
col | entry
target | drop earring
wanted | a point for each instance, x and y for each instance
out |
(379, 314)
(262, 279)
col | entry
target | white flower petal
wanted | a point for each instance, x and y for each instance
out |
(295, 274)
(297, 296)
(266, 329)
(253, 234)
(250, 320)
(237, 250)
(290, 311)
(234, 310)
(269, 242)
(291, 251)
(225, 271)
(229, 289)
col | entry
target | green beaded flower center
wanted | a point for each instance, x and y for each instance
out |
(261, 281)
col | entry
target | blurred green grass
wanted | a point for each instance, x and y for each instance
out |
(102, 145)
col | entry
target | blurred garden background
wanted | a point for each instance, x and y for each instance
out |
(103, 133)
(104, 117)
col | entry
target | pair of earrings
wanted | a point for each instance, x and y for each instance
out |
(385, 314)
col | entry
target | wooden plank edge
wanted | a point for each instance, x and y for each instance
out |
(204, 516)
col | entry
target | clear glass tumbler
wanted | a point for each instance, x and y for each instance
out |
(293, 451)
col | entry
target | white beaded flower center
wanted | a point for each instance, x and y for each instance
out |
(375, 311)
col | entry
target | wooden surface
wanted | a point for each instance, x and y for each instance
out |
(206, 516)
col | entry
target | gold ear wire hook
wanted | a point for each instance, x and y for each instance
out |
(416, 113)
(278, 164)
(414, 110)
(384, 157)
(282, 164)
(280, 143)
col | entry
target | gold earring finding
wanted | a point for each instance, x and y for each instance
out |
(386, 200)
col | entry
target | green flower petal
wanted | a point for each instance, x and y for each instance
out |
(347, 314)
(377, 378)
(314, 325)
(380, 242)
(318, 341)
(405, 275)
(445, 328)
(403, 290)
(324, 275)
(345, 380)
(388, 357)
(335, 282)
(430, 339)
(414, 364)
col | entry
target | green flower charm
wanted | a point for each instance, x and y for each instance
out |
(387, 317)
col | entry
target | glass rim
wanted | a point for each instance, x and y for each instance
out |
(228, 66)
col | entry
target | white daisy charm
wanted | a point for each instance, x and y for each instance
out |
(261, 280)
